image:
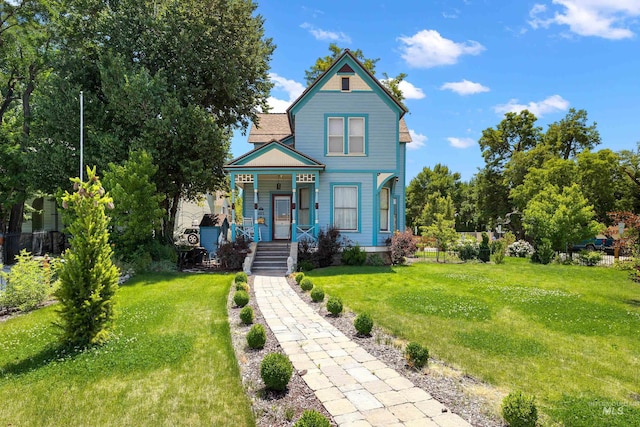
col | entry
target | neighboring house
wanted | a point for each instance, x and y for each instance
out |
(190, 213)
(336, 157)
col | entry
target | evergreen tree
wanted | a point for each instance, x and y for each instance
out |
(88, 277)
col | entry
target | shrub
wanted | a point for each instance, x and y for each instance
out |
(375, 260)
(232, 254)
(299, 277)
(276, 371)
(519, 410)
(317, 294)
(363, 323)
(544, 252)
(484, 251)
(589, 258)
(468, 250)
(307, 258)
(353, 255)
(520, 249)
(242, 286)
(246, 315)
(306, 284)
(416, 355)
(306, 265)
(509, 238)
(328, 246)
(312, 418)
(241, 298)
(26, 284)
(497, 255)
(256, 337)
(240, 276)
(334, 306)
(402, 246)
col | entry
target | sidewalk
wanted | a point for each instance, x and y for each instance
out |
(355, 387)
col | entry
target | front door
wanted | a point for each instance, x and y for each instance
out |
(282, 217)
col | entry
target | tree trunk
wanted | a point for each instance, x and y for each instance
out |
(172, 217)
(12, 245)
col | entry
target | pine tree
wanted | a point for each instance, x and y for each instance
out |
(88, 277)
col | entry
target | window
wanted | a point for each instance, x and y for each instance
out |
(345, 84)
(346, 135)
(384, 209)
(303, 203)
(336, 135)
(345, 208)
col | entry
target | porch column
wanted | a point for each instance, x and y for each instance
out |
(316, 222)
(294, 231)
(256, 226)
(233, 207)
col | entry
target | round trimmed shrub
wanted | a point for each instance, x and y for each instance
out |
(242, 286)
(306, 284)
(256, 337)
(276, 371)
(299, 277)
(241, 298)
(363, 323)
(246, 315)
(241, 276)
(519, 410)
(317, 294)
(416, 355)
(334, 306)
(312, 418)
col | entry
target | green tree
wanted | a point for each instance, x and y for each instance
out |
(438, 180)
(88, 277)
(137, 213)
(562, 216)
(556, 171)
(571, 135)
(442, 225)
(437, 204)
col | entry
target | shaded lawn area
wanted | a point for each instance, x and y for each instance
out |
(568, 334)
(170, 362)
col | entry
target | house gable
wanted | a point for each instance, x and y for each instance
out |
(274, 155)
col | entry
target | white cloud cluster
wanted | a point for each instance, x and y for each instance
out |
(551, 104)
(464, 87)
(461, 142)
(292, 88)
(409, 91)
(324, 35)
(608, 19)
(427, 48)
(418, 140)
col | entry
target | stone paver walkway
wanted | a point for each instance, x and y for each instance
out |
(355, 387)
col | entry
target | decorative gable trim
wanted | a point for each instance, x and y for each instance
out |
(274, 155)
(346, 69)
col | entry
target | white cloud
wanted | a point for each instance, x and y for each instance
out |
(427, 48)
(551, 104)
(465, 87)
(409, 91)
(461, 142)
(292, 88)
(324, 35)
(608, 19)
(418, 140)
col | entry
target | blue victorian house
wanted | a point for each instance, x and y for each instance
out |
(335, 158)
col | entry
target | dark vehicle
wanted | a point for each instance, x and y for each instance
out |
(598, 243)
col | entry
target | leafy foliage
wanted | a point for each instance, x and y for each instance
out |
(256, 337)
(363, 323)
(232, 254)
(240, 276)
(468, 250)
(353, 255)
(312, 418)
(241, 298)
(375, 260)
(498, 251)
(246, 315)
(27, 284)
(329, 246)
(589, 258)
(242, 286)
(276, 371)
(306, 284)
(88, 277)
(437, 181)
(484, 251)
(416, 355)
(544, 252)
(519, 410)
(298, 277)
(402, 245)
(334, 306)
(520, 249)
(317, 294)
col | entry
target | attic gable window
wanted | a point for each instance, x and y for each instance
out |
(345, 84)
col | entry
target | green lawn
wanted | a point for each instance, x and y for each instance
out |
(568, 334)
(169, 363)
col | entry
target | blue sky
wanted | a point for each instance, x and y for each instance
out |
(470, 61)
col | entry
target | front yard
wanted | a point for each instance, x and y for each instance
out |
(170, 363)
(568, 334)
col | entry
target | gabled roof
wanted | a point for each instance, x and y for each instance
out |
(274, 155)
(337, 65)
(270, 127)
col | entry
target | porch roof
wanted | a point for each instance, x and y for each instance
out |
(274, 155)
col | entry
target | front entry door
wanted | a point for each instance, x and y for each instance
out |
(282, 217)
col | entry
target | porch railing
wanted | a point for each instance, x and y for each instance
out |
(306, 232)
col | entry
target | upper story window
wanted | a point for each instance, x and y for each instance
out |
(346, 136)
(345, 84)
